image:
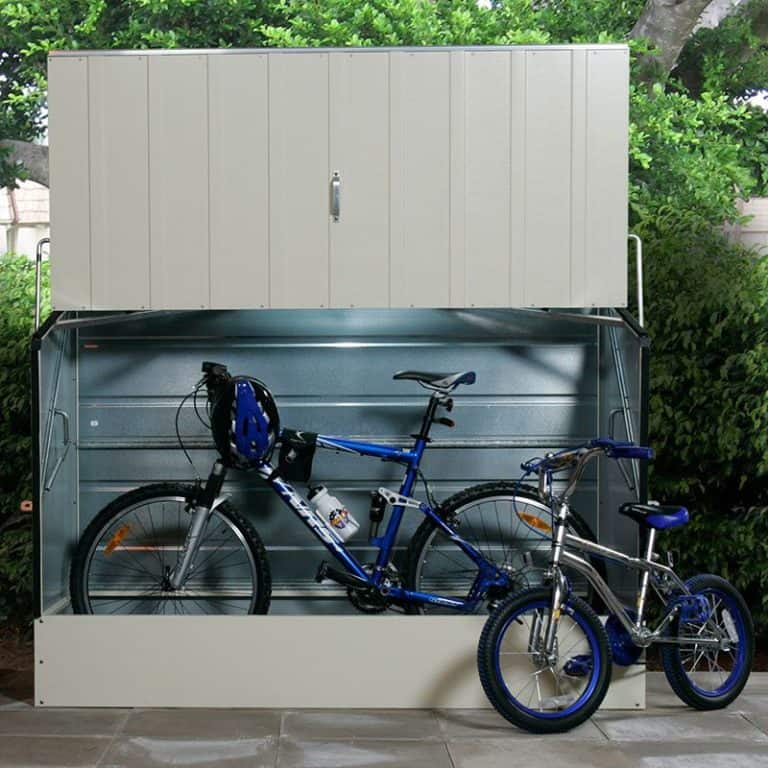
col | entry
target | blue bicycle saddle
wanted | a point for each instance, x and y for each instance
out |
(652, 516)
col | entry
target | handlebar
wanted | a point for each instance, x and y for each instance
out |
(613, 449)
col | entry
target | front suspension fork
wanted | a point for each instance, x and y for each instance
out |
(200, 513)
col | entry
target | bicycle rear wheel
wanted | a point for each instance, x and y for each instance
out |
(707, 677)
(124, 558)
(509, 525)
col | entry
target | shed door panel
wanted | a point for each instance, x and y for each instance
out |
(70, 191)
(487, 178)
(119, 182)
(547, 179)
(299, 179)
(359, 120)
(239, 177)
(420, 168)
(178, 172)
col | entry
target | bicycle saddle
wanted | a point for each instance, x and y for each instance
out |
(438, 380)
(655, 517)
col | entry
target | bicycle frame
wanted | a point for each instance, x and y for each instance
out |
(488, 576)
(637, 631)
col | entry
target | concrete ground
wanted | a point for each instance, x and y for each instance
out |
(666, 735)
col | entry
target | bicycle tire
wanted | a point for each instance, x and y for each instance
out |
(586, 659)
(674, 657)
(152, 545)
(456, 505)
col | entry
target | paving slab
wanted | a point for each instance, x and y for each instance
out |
(421, 724)
(689, 754)
(535, 753)
(62, 722)
(60, 751)
(711, 727)
(487, 723)
(149, 752)
(202, 724)
(364, 753)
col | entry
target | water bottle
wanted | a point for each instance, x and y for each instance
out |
(333, 512)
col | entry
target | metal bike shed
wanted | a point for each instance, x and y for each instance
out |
(107, 389)
(484, 185)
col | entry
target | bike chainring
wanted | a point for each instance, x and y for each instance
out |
(370, 600)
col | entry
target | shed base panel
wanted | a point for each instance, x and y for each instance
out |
(271, 661)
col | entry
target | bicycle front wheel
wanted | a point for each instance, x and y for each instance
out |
(123, 562)
(509, 525)
(540, 692)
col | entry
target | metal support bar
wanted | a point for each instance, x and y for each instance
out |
(52, 406)
(639, 266)
(38, 268)
(80, 322)
(594, 319)
(626, 405)
(66, 442)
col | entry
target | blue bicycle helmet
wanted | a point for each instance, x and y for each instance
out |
(245, 423)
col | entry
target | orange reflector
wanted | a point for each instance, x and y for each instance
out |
(535, 522)
(114, 542)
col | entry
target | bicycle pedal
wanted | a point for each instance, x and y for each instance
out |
(578, 666)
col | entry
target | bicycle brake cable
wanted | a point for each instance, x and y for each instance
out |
(198, 479)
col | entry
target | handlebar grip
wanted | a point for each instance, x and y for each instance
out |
(630, 452)
(619, 449)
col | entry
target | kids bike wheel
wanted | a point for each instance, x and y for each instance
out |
(702, 676)
(509, 525)
(537, 692)
(123, 562)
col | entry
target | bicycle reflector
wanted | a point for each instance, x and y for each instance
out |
(245, 423)
(535, 523)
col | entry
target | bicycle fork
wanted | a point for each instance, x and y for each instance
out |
(207, 501)
(559, 586)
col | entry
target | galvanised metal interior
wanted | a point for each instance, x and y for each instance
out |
(108, 387)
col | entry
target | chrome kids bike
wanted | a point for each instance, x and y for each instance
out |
(177, 548)
(545, 657)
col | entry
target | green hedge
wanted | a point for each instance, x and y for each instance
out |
(707, 313)
(17, 288)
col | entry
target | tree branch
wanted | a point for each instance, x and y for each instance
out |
(667, 24)
(33, 157)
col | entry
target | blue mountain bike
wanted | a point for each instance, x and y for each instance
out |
(177, 548)
(544, 656)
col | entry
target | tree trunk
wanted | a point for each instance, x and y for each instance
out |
(667, 24)
(33, 158)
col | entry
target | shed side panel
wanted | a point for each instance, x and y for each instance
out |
(70, 192)
(359, 141)
(178, 172)
(420, 196)
(119, 181)
(239, 178)
(579, 178)
(547, 179)
(607, 150)
(299, 179)
(487, 170)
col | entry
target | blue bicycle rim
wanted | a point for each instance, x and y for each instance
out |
(738, 666)
(597, 662)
